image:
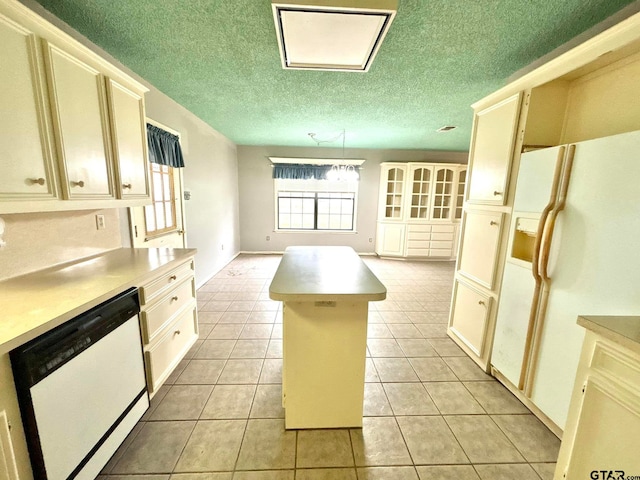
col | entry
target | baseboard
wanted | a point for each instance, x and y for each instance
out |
(198, 285)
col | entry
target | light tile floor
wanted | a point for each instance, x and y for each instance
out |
(430, 412)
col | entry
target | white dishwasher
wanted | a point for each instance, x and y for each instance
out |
(81, 389)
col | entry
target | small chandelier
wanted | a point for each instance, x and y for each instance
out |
(345, 173)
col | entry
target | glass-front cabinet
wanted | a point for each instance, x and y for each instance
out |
(394, 179)
(420, 207)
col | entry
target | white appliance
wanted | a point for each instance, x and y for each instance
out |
(574, 249)
(81, 389)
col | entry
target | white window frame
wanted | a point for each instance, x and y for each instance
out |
(315, 186)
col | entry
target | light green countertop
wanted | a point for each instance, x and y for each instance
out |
(37, 302)
(310, 274)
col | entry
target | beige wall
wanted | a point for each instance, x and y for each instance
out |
(257, 216)
(211, 176)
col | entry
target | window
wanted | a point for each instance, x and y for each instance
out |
(160, 216)
(316, 210)
(315, 205)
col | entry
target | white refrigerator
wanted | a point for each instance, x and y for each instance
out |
(574, 249)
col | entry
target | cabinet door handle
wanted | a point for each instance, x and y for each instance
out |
(34, 181)
(77, 184)
(177, 332)
(481, 302)
(126, 185)
(492, 223)
(173, 277)
(497, 193)
(174, 299)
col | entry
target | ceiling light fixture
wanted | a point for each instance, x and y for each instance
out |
(338, 35)
(446, 128)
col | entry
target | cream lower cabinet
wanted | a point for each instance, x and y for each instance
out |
(169, 322)
(470, 311)
(475, 289)
(390, 239)
(601, 434)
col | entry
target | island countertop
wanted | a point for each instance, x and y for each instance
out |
(34, 303)
(310, 274)
(624, 330)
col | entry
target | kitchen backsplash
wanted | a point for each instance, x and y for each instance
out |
(34, 241)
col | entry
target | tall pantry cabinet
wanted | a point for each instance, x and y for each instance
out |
(419, 209)
(477, 281)
(586, 93)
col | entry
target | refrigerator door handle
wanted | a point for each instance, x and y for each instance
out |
(543, 261)
(553, 198)
(533, 313)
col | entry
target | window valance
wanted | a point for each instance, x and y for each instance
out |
(164, 147)
(298, 171)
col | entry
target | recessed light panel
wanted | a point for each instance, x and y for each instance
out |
(337, 35)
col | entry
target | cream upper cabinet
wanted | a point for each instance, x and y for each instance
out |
(26, 162)
(72, 125)
(461, 182)
(492, 151)
(443, 185)
(392, 186)
(126, 109)
(78, 103)
(419, 189)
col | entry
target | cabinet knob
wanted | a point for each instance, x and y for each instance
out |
(77, 184)
(177, 332)
(126, 185)
(497, 193)
(174, 299)
(492, 223)
(173, 277)
(481, 302)
(34, 181)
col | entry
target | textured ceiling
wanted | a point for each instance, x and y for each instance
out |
(220, 60)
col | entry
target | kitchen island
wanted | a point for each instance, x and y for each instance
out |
(325, 293)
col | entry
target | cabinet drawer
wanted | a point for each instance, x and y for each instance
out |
(421, 236)
(447, 236)
(418, 228)
(442, 245)
(443, 228)
(469, 316)
(440, 252)
(168, 280)
(417, 244)
(417, 252)
(155, 317)
(170, 349)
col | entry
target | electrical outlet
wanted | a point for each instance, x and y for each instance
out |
(268, 238)
(100, 225)
(222, 246)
